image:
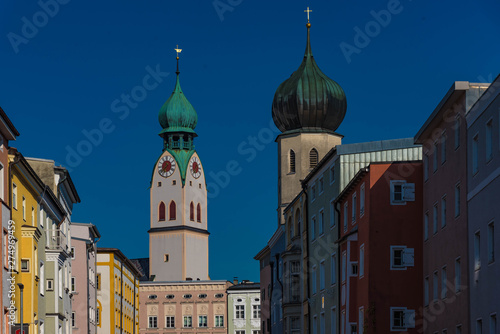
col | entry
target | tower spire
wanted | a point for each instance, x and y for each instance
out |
(178, 51)
(308, 25)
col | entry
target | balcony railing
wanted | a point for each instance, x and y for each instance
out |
(56, 239)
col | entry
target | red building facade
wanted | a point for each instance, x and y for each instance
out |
(380, 249)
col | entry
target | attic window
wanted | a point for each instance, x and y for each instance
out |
(152, 296)
(187, 296)
(219, 295)
(203, 295)
(170, 296)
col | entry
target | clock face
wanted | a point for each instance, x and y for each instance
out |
(194, 167)
(166, 166)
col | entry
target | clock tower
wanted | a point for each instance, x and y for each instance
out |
(178, 236)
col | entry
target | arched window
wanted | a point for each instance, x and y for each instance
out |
(292, 161)
(297, 222)
(313, 158)
(172, 211)
(289, 229)
(198, 213)
(161, 212)
(191, 212)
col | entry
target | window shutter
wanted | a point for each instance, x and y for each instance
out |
(409, 192)
(410, 319)
(408, 257)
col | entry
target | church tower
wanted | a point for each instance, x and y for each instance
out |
(178, 237)
(307, 108)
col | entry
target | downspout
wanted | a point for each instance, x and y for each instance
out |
(337, 210)
(306, 229)
(87, 248)
(135, 294)
(271, 263)
(94, 248)
(121, 298)
(282, 290)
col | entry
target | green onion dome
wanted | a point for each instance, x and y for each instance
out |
(309, 99)
(177, 114)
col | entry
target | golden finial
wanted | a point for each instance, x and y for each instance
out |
(178, 51)
(308, 11)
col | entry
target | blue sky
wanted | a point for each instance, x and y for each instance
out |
(66, 74)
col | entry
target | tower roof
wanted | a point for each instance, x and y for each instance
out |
(177, 114)
(309, 100)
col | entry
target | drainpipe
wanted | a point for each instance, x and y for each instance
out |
(282, 290)
(271, 263)
(94, 248)
(306, 229)
(121, 298)
(337, 210)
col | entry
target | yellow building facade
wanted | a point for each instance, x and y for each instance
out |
(26, 188)
(117, 293)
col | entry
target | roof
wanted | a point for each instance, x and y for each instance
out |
(93, 229)
(122, 257)
(142, 264)
(205, 282)
(263, 252)
(359, 175)
(455, 91)
(245, 286)
(7, 127)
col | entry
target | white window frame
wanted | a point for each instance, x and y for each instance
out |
(426, 225)
(404, 250)
(333, 269)
(489, 140)
(332, 213)
(353, 208)
(435, 219)
(361, 269)
(491, 242)
(477, 250)
(171, 323)
(362, 200)
(321, 222)
(443, 211)
(332, 174)
(475, 154)
(443, 147)
(314, 279)
(321, 185)
(458, 274)
(457, 199)
(187, 321)
(202, 321)
(152, 319)
(313, 228)
(457, 132)
(426, 166)
(393, 192)
(322, 275)
(217, 319)
(346, 216)
(408, 319)
(239, 311)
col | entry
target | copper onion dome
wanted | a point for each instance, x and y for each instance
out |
(309, 99)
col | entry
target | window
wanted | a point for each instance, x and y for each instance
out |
(202, 321)
(457, 133)
(435, 218)
(313, 228)
(313, 158)
(458, 275)
(489, 140)
(491, 242)
(24, 208)
(344, 266)
(191, 211)
(240, 311)
(443, 148)
(170, 322)
(401, 257)
(402, 192)
(353, 208)
(435, 158)
(219, 321)
(198, 213)
(479, 326)
(219, 295)
(153, 296)
(50, 285)
(313, 192)
(152, 322)
(166, 257)
(333, 269)
(98, 281)
(202, 295)
(345, 217)
(321, 185)
(42, 278)
(14, 196)
(322, 323)
(25, 265)
(322, 275)
(315, 325)
(354, 269)
(240, 332)
(332, 214)
(332, 174)
(292, 161)
(172, 214)
(188, 321)
(321, 222)
(458, 329)
(73, 319)
(161, 212)
(98, 315)
(159, 184)
(73, 285)
(362, 200)
(255, 311)
(443, 211)
(361, 318)
(188, 296)
(457, 200)
(402, 318)
(33, 216)
(493, 324)
(435, 286)
(354, 329)
(475, 156)
(426, 291)
(426, 226)
(313, 280)
(426, 167)
(477, 251)
(444, 288)
(361, 260)
(170, 296)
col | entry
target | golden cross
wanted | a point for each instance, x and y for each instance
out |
(178, 50)
(307, 11)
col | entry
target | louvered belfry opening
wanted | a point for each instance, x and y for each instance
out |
(313, 158)
(292, 161)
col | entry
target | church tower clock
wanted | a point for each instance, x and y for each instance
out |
(178, 236)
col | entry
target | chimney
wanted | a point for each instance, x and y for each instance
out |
(235, 280)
